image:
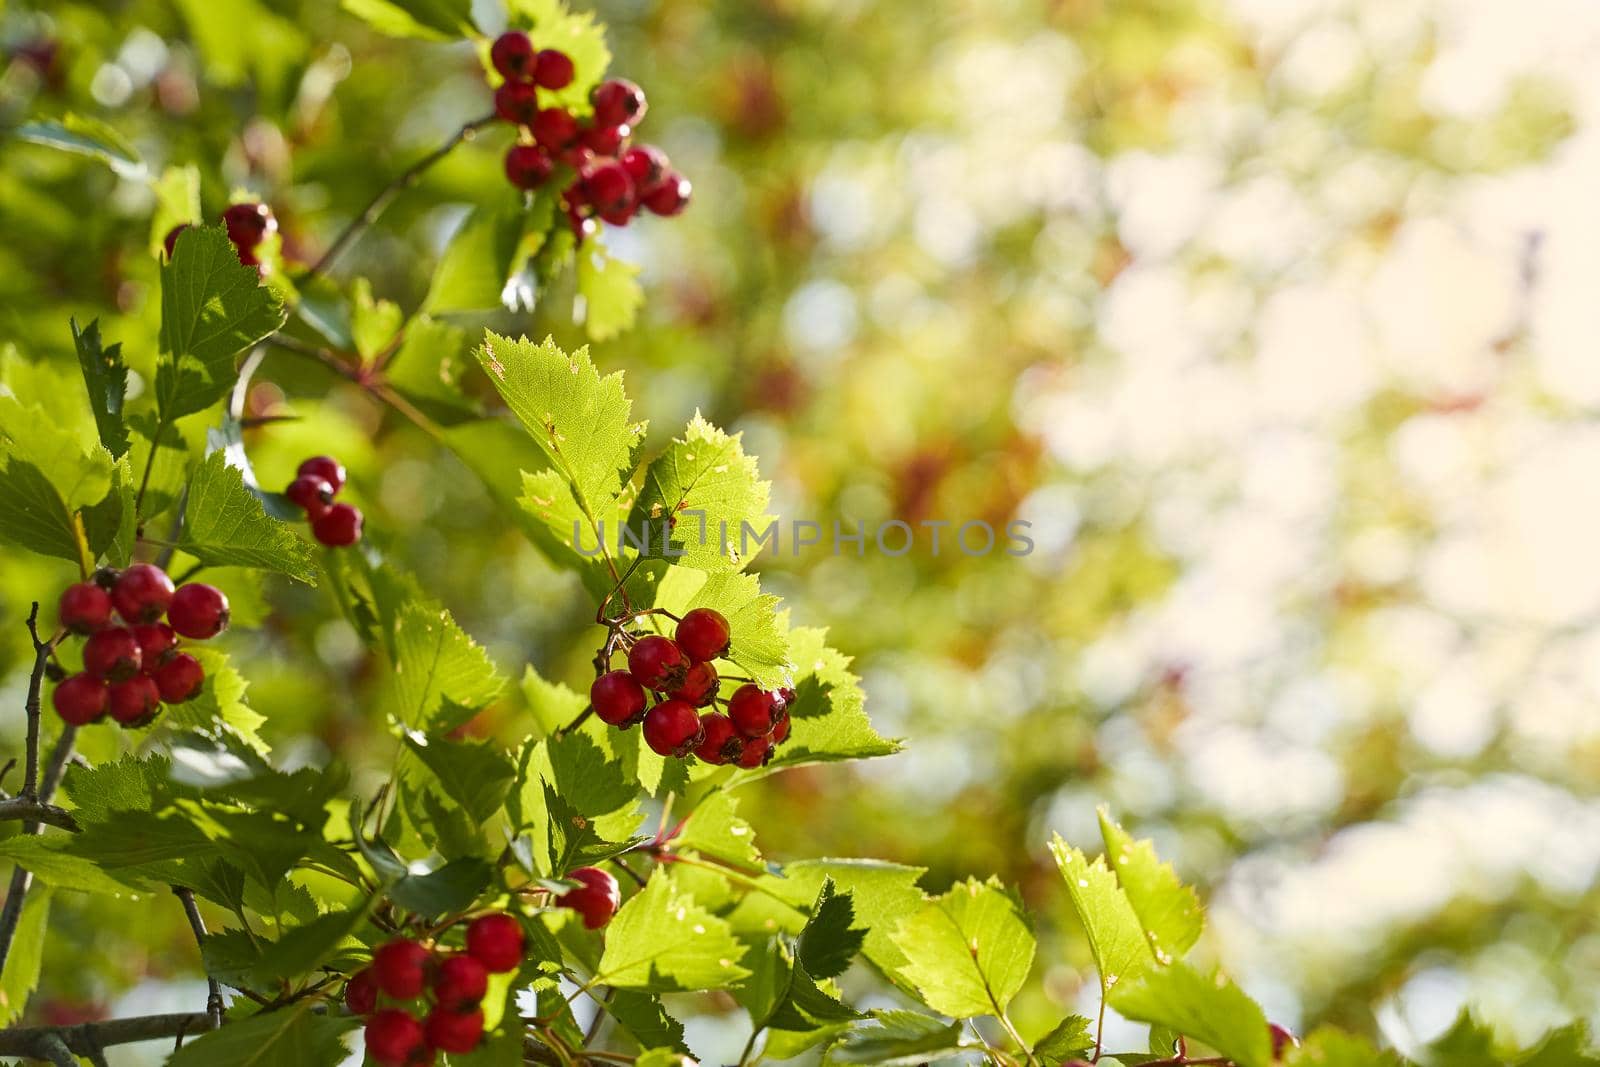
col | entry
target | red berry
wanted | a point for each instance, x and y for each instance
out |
(672, 728)
(400, 969)
(703, 634)
(552, 69)
(142, 593)
(754, 711)
(339, 526)
(248, 224)
(618, 102)
(657, 663)
(135, 701)
(84, 608)
(756, 753)
(780, 729)
(517, 103)
(671, 196)
(311, 494)
(577, 157)
(513, 56)
(699, 686)
(554, 128)
(527, 166)
(722, 742)
(170, 241)
(460, 983)
(450, 1031)
(395, 1039)
(596, 898)
(327, 468)
(112, 654)
(645, 164)
(361, 993)
(608, 187)
(618, 698)
(156, 642)
(179, 678)
(80, 699)
(604, 140)
(198, 611)
(1282, 1040)
(496, 942)
(581, 227)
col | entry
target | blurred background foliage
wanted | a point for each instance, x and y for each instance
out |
(1275, 318)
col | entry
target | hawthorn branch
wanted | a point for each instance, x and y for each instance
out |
(214, 1003)
(380, 202)
(33, 811)
(91, 1039)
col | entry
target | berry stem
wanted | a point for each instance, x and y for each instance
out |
(376, 206)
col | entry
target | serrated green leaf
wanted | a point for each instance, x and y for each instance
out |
(661, 941)
(1121, 951)
(177, 194)
(55, 867)
(428, 368)
(373, 322)
(830, 938)
(643, 1016)
(1167, 909)
(579, 420)
(477, 266)
(610, 291)
(968, 951)
(106, 377)
(124, 784)
(1335, 1048)
(898, 1038)
(112, 526)
(212, 308)
(696, 498)
(305, 948)
(292, 1036)
(26, 961)
(134, 838)
(86, 136)
(828, 719)
(714, 829)
(1068, 1040)
(438, 669)
(586, 777)
(220, 703)
(449, 889)
(226, 525)
(32, 513)
(760, 644)
(880, 893)
(476, 775)
(1206, 1008)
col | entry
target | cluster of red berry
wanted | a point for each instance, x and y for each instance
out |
(249, 223)
(131, 670)
(453, 984)
(317, 481)
(613, 178)
(678, 670)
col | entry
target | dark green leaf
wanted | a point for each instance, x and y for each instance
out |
(106, 377)
(227, 526)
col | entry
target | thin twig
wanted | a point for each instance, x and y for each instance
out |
(88, 1039)
(378, 203)
(33, 811)
(41, 658)
(214, 1003)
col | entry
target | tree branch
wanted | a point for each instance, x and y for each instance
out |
(214, 1002)
(89, 1039)
(34, 811)
(375, 207)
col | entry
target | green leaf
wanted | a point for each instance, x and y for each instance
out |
(1070, 1039)
(1335, 1048)
(579, 420)
(26, 961)
(830, 938)
(1121, 951)
(1205, 1008)
(581, 772)
(434, 20)
(226, 525)
(32, 513)
(610, 291)
(429, 365)
(696, 498)
(828, 719)
(220, 703)
(451, 888)
(124, 784)
(476, 775)
(1567, 1047)
(1167, 909)
(760, 644)
(305, 948)
(880, 894)
(1468, 1043)
(661, 941)
(62, 870)
(373, 323)
(438, 669)
(714, 829)
(87, 137)
(643, 1016)
(212, 308)
(292, 1036)
(476, 268)
(134, 838)
(969, 951)
(106, 376)
(112, 525)
(177, 194)
(899, 1037)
